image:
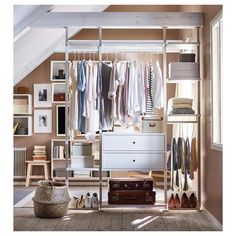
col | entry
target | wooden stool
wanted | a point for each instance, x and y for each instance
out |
(29, 171)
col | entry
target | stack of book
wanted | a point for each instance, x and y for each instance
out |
(39, 153)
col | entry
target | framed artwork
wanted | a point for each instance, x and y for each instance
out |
(60, 116)
(43, 121)
(42, 95)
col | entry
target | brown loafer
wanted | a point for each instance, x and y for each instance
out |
(192, 201)
(171, 202)
(177, 201)
(184, 201)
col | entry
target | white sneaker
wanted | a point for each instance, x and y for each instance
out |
(94, 201)
(87, 201)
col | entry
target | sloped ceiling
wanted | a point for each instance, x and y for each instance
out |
(33, 46)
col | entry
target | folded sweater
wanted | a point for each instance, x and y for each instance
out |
(182, 101)
(182, 105)
(182, 111)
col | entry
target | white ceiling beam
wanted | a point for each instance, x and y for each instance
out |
(27, 54)
(24, 24)
(119, 20)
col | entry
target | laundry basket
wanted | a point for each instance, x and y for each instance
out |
(51, 199)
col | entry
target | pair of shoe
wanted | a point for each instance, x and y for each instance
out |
(77, 202)
(174, 201)
(190, 202)
(91, 202)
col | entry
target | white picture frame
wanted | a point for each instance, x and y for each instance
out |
(43, 121)
(42, 95)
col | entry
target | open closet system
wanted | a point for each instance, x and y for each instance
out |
(109, 141)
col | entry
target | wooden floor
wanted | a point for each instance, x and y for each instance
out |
(116, 219)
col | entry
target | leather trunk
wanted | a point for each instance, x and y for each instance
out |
(130, 184)
(132, 197)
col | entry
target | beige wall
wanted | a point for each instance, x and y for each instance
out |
(211, 162)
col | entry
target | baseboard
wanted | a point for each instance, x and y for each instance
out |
(212, 218)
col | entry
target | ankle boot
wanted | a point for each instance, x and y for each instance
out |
(171, 203)
(192, 201)
(177, 201)
(184, 201)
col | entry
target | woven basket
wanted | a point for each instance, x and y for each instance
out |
(51, 199)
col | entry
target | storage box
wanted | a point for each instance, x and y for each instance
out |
(95, 173)
(22, 90)
(152, 124)
(130, 184)
(183, 70)
(82, 162)
(81, 149)
(132, 197)
(186, 57)
(60, 172)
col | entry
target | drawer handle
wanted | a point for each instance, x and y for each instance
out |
(133, 142)
(152, 125)
(133, 160)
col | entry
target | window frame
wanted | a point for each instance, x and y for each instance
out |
(217, 20)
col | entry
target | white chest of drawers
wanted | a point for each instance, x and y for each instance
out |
(133, 151)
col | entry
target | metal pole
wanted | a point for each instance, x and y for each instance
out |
(199, 119)
(66, 103)
(100, 131)
(165, 111)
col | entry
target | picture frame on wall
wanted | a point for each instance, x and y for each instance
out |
(42, 95)
(43, 121)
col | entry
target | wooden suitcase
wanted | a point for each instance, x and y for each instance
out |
(132, 197)
(130, 184)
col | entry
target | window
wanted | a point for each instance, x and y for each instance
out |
(216, 80)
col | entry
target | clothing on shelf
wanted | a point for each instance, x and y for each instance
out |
(184, 162)
(108, 93)
(180, 106)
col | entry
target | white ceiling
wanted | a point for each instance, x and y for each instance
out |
(33, 46)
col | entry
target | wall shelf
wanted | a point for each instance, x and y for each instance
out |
(58, 92)
(185, 80)
(22, 104)
(182, 118)
(57, 72)
(23, 126)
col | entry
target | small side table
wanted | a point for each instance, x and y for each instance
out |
(29, 175)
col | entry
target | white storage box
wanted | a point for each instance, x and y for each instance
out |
(82, 162)
(81, 149)
(152, 124)
(183, 70)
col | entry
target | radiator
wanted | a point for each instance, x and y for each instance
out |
(19, 161)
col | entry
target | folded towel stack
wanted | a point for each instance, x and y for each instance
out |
(182, 106)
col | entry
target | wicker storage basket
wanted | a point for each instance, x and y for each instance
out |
(51, 199)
